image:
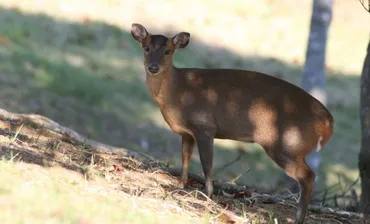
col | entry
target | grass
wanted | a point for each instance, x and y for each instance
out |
(78, 65)
(50, 180)
(46, 178)
(66, 197)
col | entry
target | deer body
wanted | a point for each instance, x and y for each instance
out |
(203, 104)
(195, 98)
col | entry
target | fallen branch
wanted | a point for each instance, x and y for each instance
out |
(324, 220)
(314, 208)
(336, 212)
(218, 186)
(66, 134)
(240, 175)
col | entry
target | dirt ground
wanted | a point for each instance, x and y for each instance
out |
(30, 143)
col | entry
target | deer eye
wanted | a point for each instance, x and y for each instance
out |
(167, 52)
(146, 48)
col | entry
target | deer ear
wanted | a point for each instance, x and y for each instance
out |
(138, 32)
(181, 40)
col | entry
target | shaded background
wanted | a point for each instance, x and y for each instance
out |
(76, 63)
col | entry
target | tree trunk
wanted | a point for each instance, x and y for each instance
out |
(364, 156)
(314, 73)
(314, 70)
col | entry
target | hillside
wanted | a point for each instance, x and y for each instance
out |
(51, 174)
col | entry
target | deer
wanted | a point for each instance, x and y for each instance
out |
(201, 105)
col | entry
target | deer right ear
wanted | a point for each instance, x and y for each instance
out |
(138, 32)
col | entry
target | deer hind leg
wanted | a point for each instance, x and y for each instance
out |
(297, 168)
(303, 174)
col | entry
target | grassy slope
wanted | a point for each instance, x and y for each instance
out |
(65, 197)
(46, 178)
(79, 66)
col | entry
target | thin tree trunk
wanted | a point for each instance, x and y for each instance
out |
(314, 71)
(364, 156)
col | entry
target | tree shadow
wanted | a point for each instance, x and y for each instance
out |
(89, 76)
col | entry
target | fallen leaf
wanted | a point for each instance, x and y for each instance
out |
(117, 168)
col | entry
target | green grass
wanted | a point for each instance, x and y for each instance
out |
(89, 77)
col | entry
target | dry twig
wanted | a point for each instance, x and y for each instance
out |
(333, 195)
(223, 167)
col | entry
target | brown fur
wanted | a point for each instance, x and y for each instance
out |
(203, 104)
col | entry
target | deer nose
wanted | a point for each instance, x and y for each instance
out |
(153, 68)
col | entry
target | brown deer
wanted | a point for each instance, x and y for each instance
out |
(248, 106)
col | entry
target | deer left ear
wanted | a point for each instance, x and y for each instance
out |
(181, 40)
(139, 32)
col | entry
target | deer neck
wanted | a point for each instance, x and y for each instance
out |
(159, 85)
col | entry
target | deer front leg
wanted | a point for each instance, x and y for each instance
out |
(205, 147)
(187, 150)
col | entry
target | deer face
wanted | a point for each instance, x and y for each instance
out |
(158, 50)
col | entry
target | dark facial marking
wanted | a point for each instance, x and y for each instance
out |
(156, 52)
(158, 40)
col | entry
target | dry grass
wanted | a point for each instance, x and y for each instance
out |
(32, 194)
(66, 183)
(51, 181)
(46, 179)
